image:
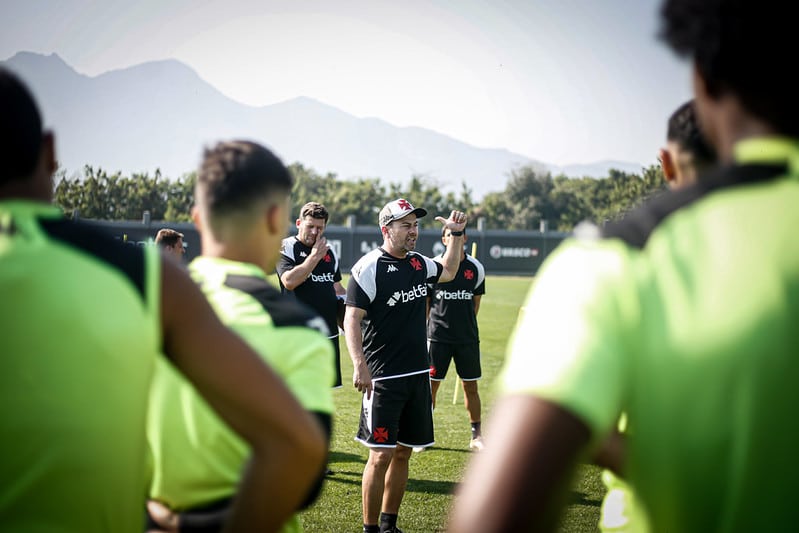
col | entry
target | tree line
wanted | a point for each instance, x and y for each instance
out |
(529, 197)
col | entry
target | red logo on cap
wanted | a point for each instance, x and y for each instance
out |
(404, 204)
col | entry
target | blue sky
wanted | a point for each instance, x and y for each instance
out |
(561, 81)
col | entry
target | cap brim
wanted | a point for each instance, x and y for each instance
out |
(419, 212)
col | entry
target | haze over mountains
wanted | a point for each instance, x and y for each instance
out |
(160, 114)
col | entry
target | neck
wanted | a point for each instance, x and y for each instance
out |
(241, 251)
(732, 123)
(398, 253)
(25, 190)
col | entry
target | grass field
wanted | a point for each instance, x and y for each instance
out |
(435, 473)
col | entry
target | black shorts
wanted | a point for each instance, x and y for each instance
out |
(400, 411)
(467, 360)
(337, 361)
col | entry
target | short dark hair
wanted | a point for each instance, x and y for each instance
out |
(739, 46)
(314, 210)
(236, 175)
(683, 129)
(167, 237)
(20, 129)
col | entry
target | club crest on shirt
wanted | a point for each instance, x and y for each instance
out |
(380, 434)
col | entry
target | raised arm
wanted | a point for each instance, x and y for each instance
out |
(452, 256)
(295, 277)
(288, 444)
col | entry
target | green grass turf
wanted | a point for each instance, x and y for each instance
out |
(434, 473)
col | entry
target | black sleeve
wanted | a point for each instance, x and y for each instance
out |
(284, 264)
(211, 521)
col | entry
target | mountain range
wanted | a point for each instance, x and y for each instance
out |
(160, 114)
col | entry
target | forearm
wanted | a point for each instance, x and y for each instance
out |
(521, 481)
(354, 338)
(326, 421)
(452, 258)
(272, 489)
(297, 275)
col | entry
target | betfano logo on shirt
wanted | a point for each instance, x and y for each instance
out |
(327, 277)
(419, 291)
(453, 295)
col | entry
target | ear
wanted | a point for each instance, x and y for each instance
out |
(195, 217)
(275, 218)
(669, 170)
(48, 152)
(298, 222)
(701, 91)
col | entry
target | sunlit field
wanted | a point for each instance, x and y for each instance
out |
(435, 473)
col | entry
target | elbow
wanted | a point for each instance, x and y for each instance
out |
(303, 454)
(313, 447)
(303, 446)
(288, 284)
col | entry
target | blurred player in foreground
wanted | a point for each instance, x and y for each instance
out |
(84, 320)
(683, 315)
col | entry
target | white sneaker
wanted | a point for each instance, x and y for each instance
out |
(476, 444)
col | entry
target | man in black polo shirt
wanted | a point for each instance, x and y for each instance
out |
(387, 293)
(453, 334)
(309, 268)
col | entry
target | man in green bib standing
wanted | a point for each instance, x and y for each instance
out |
(84, 320)
(684, 316)
(242, 211)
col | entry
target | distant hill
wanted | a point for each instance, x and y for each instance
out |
(160, 114)
(598, 169)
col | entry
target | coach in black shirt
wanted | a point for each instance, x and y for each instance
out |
(309, 268)
(385, 331)
(453, 333)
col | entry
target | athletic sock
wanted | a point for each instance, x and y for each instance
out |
(475, 429)
(371, 529)
(387, 522)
